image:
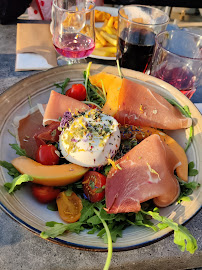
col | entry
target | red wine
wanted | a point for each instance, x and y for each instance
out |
(73, 45)
(181, 78)
(135, 48)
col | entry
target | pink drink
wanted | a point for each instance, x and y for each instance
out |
(73, 45)
(181, 78)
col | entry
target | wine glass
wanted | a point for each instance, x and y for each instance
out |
(177, 59)
(73, 29)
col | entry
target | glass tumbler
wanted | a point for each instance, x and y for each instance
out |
(137, 28)
(177, 59)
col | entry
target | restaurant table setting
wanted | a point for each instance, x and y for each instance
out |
(30, 54)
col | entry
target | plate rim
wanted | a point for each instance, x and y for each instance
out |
(96, 68)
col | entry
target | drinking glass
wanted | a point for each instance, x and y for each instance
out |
(73, 29)
(177, 60)
(137, 27)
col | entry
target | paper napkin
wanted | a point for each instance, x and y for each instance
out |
(34, 48)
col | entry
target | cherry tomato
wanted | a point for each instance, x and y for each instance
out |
(77, 91)
(69, 206)
(46, 155)
(44, 194)
(93, 186)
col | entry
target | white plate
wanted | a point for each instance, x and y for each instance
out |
(113, 12)
(23, 208)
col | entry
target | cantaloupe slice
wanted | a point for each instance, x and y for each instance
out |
(143, 132)
(54, 175)
(112, 85)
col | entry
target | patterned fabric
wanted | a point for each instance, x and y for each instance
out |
(40, 10)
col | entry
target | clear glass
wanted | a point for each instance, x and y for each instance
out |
(73, 29)
(177, 60)
(137, 28)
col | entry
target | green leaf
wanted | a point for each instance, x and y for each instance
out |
(183, 198)
(12, 171)
(185, 240)
(185, 111)
(109, 241)
(52, 206)
(191, 170)
(54, 231)
(87, 210)
(187, 189)
(116, 232)
(182, 236)
(18, 149)
(94, 220)
(68, 192)
(63, 85)
(94, 94)
(23, 178)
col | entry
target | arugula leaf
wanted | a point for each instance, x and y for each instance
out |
(141, 220)
(19, 151)
(109, 240)
(63, 85)
(191, 170)
(12, 171)
(56, 229)
(94, 94)
(185, 111)
(87, 210)
(182, 237)
(23, 178)
(187, 189)
(52, 206)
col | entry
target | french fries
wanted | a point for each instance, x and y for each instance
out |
(106, 37)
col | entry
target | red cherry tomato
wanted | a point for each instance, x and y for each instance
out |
(93, 186)
(44, 194)
(77, 91)
(46, 155)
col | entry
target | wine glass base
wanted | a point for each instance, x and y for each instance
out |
(62, 61)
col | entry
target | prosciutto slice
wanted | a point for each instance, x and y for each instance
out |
(145, 172)
(31, 133)
(141, 106)
(58, 104)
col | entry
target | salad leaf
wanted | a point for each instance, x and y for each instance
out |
(18, 149)
(191, 170)
(185, 111)
(94, 94)
(12, 171)
(52, 206)
(18, 181)
(141, 220)
(63, 85)
(182, 237)
(187, 189)
(109, 240)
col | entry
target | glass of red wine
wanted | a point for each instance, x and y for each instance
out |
(177, 59)
(73, 30)
(137, 28)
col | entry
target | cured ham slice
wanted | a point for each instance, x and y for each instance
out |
(145, 172)
(58, 104)
(31, 133)
(141, 106)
